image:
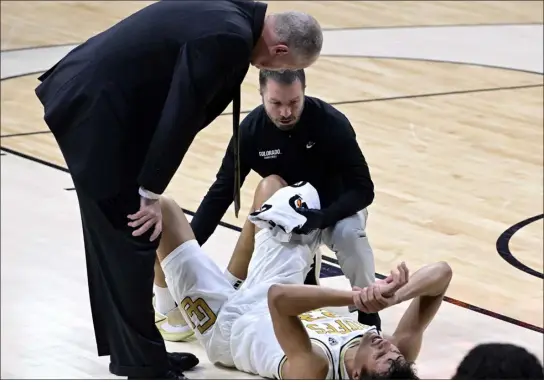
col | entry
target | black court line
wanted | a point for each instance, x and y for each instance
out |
(337, 55)
(329, 259)
(426, 95)
(396, 98)
(503, 246)
(23, 134)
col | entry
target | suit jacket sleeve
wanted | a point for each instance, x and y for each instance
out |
(221, 193)
(359, 188)
(199, 75)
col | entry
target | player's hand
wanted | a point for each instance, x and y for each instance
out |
(381, 294)
(314, 219)
(149, 216)
(371, 300)
(396, 280)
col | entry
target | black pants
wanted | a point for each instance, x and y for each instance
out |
(120, 276)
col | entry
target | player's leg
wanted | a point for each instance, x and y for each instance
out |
(236, 271)
(273, 261)
(348, 239)
(168, 317)
(164, 302)
(195, 281)
(241, 257)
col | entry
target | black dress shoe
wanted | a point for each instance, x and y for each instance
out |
(170, 374)
(183, 361)
(370, 319)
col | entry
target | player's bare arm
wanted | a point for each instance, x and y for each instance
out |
(426, 287)
(286, 302)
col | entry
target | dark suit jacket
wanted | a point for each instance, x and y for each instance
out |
(126, 105)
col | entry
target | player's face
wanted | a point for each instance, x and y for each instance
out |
(375, 354)
(283, 103)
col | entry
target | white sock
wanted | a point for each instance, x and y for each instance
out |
(163, 299)
(233, 280)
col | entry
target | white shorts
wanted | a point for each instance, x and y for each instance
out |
(234, 326)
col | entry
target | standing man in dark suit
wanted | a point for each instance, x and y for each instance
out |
(124, 108)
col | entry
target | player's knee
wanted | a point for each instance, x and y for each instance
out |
(266, 188)
(175, 227)
(168, 210)
(274, 182)
(275, 294)
(445, 271)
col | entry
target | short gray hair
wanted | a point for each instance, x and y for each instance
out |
(300, 32)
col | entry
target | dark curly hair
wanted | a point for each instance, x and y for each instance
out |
(399, 369)
(499, 361)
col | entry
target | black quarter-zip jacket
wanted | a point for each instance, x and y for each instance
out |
(321, 149)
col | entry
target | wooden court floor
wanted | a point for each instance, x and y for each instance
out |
(455, 150)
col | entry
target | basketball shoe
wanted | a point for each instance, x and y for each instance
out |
(172, 325)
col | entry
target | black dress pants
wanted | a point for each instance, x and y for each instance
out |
(120, 276)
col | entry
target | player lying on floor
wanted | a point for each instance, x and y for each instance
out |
(274, 326)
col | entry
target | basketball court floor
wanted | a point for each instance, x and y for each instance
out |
(447, 102)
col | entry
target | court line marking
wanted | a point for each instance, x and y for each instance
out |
(395, 98)
(331, 29)
(453, 301)
(487, 66)
(22, 54)
(432, 26)
(23, 134)
(503, 247)
(332, 55)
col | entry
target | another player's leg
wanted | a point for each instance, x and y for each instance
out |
(168, 317)
(241, 257)
(236, 271)
(194, 280)
(348, 239)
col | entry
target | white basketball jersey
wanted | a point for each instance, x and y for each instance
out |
(334, 334)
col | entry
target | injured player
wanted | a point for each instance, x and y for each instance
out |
(276, 327)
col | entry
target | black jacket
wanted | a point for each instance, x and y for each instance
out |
(322, 149)
(126, 105)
